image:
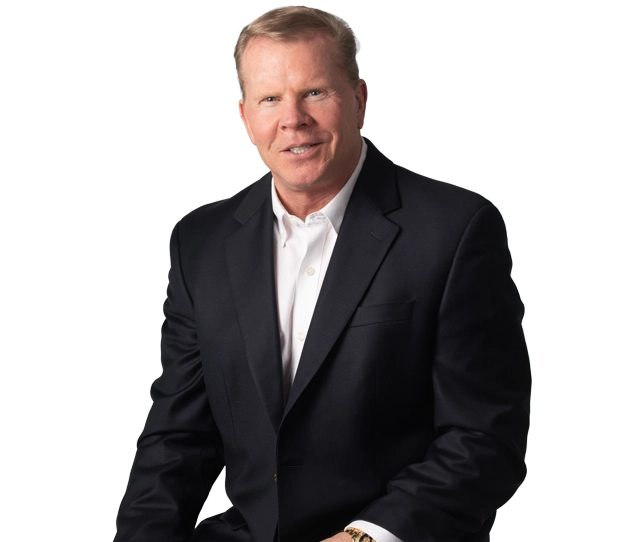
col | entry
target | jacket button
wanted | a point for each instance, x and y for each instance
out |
(275, 477)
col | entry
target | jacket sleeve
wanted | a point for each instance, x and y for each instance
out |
(179, 453)
(481, 385)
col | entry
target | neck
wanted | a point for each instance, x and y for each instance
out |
(304, 202)
(307, 200)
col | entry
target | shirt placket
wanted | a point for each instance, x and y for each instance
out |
(307, 283)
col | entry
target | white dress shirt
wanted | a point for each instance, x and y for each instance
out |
(302, 252)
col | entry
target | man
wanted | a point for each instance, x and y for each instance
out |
(343, 335)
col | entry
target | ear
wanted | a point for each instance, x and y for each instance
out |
(361, 94)
(242, 114)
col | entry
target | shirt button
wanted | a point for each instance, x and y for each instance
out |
(282, 234)
(301, 336)
(310, 271)
(293, 220)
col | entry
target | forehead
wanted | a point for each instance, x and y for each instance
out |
(310, 58)
(310, 43)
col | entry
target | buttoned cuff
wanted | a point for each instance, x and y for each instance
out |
(375, 532)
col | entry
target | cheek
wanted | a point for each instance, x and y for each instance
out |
(264, 129)
(345, 120)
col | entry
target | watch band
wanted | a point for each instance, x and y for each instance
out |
(357, 535)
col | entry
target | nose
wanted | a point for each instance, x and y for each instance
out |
(294, 115)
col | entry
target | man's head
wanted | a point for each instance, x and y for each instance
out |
(303, 102)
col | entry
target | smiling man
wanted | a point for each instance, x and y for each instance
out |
(343, 335)
(304, 115)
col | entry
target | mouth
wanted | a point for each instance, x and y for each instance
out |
(301, 149)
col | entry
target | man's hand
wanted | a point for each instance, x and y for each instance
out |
(339, 537)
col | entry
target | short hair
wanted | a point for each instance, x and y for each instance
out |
(297, 22)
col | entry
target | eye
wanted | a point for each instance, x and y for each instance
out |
(270, 99)
(315, 93)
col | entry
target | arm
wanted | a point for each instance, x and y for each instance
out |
(179, 453)
(481, 384)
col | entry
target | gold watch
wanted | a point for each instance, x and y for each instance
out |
(357, 535)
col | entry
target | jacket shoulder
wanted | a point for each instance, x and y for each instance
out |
(219, 216)
(437, 196)
(443, 192)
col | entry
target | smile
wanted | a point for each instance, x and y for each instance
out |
(302, 148)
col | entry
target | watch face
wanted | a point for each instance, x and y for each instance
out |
(358, 536)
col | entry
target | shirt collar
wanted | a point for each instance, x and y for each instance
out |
(335, 209)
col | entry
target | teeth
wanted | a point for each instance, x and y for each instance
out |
(299, 150)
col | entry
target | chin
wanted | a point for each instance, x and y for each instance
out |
(303, 180)
(303, 185)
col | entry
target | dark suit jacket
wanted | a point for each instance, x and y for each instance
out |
(409, 408)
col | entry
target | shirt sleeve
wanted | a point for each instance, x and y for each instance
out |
(377, 533)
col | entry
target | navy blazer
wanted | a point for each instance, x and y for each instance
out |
(410, 404)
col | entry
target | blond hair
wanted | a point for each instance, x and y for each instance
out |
(297, 22)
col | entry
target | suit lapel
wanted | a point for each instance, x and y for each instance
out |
(362, 244)
(249, 258)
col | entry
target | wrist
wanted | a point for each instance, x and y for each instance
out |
(357, 535)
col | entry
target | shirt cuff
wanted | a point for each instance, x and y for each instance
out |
(376, 533)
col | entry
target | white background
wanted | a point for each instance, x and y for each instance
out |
(117, 118)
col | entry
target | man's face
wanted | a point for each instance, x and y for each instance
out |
(302, 113)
